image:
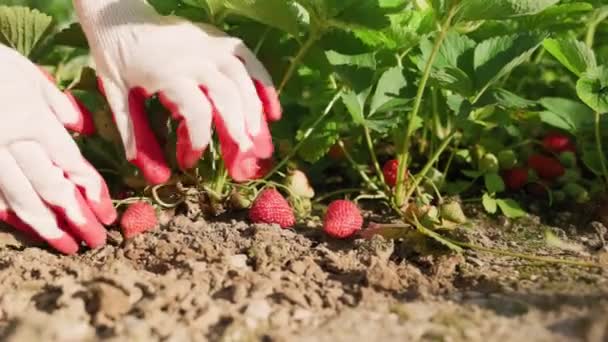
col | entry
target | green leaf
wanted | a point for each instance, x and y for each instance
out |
(72, 36)
(280, 14)
(591, 159)
(453, 79)
(348, 14)
(320, 140)
(452, 68)
(592, 88)
(509, 100)
(572, 53)
(355, 103)
(494, 183)
(23, 29)
(498, 56)
(489, 203)
(390, 84)
(565, 114)
(510, 208)
(365, 60)
(471, 10)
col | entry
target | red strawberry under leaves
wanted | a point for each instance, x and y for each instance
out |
(342, 220)
(546, 167)
(515, 178)
(557, 142)
(138, 218)
(272, 208)
(390, 170)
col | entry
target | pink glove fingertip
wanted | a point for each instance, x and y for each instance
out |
(85, 124)
(150, 159)
(91, 231)
(270, 100)
(65, 244)
(243, 165)
(187, 156)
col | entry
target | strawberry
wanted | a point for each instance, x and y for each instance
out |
(389, 170)
(452, 211)
(336, 153)
(138, 218)
(547, 167)
(557, 142)
(515, 178)
(298, 183)
(576, 192)
(342, 220)
(507, 159)
(489, 163)
(272, 208)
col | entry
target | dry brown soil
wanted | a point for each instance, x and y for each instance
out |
(197, 280)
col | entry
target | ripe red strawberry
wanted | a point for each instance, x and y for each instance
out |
(558, 142)
(336, 153)
(271, 207)
(342, 220)
(546, 167)
(390, 172)
(515, 178)
(138, 218)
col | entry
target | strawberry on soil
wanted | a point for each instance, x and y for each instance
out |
(342, 220)
(272, 208)
(138, 218)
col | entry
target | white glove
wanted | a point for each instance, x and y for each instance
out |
(47, 188)
(201, 76)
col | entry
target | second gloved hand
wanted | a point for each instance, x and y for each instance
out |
(47, 188)
(201, 76)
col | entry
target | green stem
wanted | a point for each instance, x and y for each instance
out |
(258, 46)
(363, 175)
(372, 153)
(336, 193)
(403, 156)
(306, 135)
(429, 164)
(542, 259)
(600, 150)
(598, 18)
(312, 39)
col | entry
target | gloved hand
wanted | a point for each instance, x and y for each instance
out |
(201, 76)
(47, 189)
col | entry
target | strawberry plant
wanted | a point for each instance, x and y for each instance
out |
(407, 103)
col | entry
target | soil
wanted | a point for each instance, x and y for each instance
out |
(195, 280)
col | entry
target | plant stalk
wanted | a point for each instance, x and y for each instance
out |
(600, 149)
(372, 153)
(312, 39)
(403, 156)
(429, 164)
(362, 173)
(307, 134)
